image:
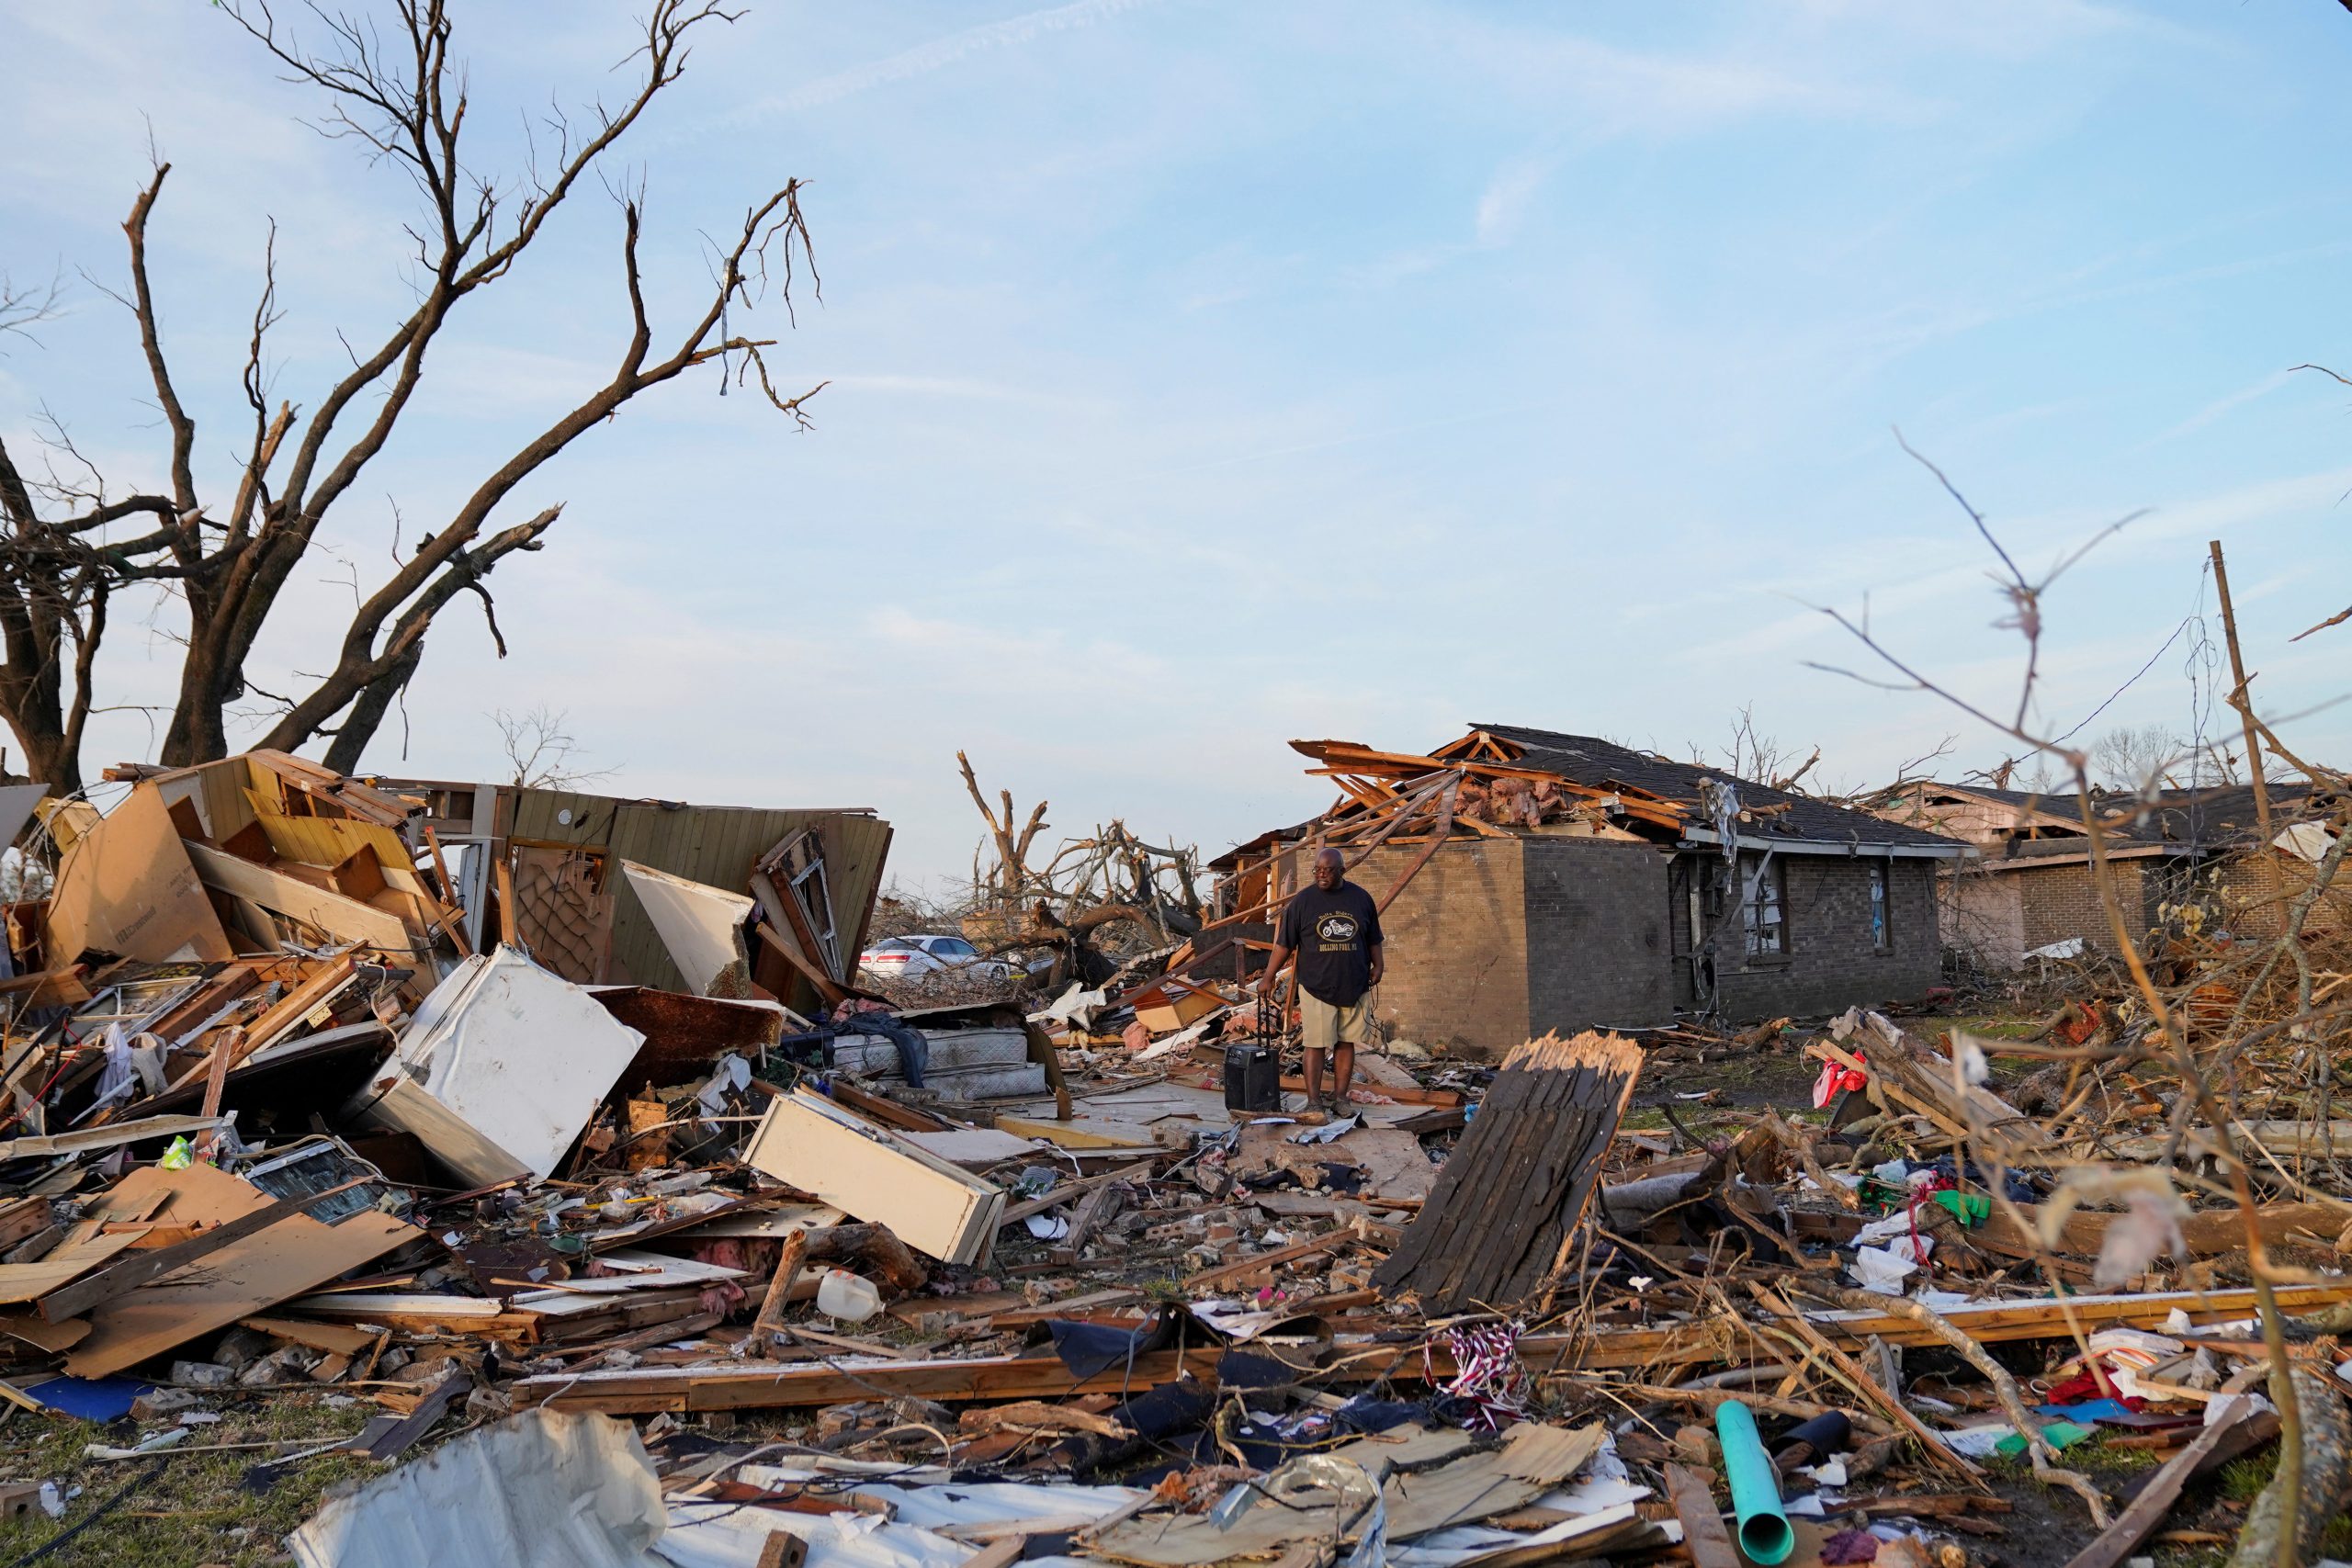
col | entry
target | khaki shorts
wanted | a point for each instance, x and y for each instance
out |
(1322, 1026)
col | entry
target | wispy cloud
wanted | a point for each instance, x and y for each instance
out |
(1504, 203)
(2220, 407)
(923, 59)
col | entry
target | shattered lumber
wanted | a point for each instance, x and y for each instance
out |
(1037, 1377)
(1497, 1230)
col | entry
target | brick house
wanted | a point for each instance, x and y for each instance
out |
(1584, 884)
(2178, 854)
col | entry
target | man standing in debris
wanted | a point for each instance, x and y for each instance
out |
(1334, 928)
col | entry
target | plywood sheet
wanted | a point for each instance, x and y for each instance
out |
(331, 841)
(65, 1263)
(345, 920)
(245, 1277)
(127, 887)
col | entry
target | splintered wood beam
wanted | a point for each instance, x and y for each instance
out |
(642, 1391)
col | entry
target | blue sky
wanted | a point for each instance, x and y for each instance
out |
(1207, 373)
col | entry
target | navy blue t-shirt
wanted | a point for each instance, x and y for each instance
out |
(1333, 934)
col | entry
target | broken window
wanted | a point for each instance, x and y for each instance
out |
(1881, 935)
(1761, 907)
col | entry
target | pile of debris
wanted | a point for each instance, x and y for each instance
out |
(747, 1266)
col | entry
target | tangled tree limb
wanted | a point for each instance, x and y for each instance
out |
(2325, 1489)
(2003, 1386)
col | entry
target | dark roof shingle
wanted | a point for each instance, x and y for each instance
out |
(1588, 759)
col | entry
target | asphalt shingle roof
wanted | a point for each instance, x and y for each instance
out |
(1589, 761)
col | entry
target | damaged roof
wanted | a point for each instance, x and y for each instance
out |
(2183, 819)
(1588, 759)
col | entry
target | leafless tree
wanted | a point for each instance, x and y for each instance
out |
(398, 90)
(542, 752)
(2203, 1062)
(2136, 757)
(1758, 757)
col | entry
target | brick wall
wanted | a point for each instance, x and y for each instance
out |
(1498, 940)
(1456, 946)
(2258, 891)
(1831, 963)
(2063, 901)
(1982, 914)
(1596, 913)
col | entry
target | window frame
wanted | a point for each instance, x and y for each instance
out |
(1766, 889)
(1881, 908)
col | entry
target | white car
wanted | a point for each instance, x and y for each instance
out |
(910, 957)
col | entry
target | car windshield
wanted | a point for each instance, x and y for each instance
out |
(954, 947)
(894, 945)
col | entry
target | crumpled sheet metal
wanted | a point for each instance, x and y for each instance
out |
(542, 1490)
(705, 1535)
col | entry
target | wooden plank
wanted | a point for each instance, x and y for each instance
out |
(112, 1135)
(780, 1284)
(832, 993)
(2131, 1527)
(1296, 1250)
(224, 1053)
(1071, 1190)
(505, 902)
(21, 1219)
(1071, 1137)
(453, 918)
(1702, 1523)
(645, 1390)
(336, 1338)
(65, 1263)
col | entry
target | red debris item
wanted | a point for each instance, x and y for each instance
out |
(1835, 1079)
(2082, 1020)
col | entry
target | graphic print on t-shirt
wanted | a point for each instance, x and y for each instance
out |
(1337, 931)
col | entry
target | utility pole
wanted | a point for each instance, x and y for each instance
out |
(2240, 699)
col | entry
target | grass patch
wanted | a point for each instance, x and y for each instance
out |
(2099, 1459)
(197, 1508)
(1984, 1026)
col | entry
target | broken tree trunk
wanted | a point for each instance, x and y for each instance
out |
(2326, 1488)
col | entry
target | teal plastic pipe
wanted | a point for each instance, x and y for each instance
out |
(1764, 1532)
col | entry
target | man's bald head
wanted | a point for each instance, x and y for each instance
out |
(1330, 867)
